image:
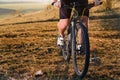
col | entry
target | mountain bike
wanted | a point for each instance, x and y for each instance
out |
(75, 29)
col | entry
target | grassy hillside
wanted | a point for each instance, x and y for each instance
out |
(28, 44)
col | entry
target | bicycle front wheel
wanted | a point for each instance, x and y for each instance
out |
(80, 57)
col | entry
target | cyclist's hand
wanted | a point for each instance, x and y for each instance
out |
(97, 2)
(57, 4)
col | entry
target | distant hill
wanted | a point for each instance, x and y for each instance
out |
(6, 11)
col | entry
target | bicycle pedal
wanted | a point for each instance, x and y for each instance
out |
(60, 47)
(78, 50)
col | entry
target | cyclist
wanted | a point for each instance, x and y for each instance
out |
(65, 15)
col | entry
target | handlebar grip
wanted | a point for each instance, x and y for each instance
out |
(52, 3)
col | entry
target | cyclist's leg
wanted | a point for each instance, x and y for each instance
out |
(64, 20)
(85, 14)
(62, 25)
(85, 22)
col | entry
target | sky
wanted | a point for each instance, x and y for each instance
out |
(25, 0)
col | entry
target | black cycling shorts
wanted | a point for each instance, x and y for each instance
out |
(65, 12)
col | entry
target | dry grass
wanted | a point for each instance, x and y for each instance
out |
(28, 44)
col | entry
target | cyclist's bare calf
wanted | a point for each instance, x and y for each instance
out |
(62, 25)
(85, 22)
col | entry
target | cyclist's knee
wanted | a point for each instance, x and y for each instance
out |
(85, 21)
(63, 23)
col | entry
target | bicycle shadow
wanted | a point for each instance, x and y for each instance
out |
(62, 70)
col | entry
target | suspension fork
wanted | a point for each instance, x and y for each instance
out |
(73, 36)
